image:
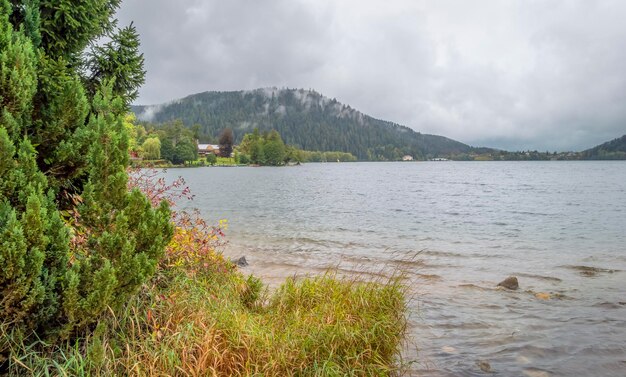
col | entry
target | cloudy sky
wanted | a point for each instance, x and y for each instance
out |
(513, 74)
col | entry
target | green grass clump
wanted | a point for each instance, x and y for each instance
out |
(221, 323)
(345, 326)
(221, 161)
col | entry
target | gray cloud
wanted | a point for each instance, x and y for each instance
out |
(515, 74)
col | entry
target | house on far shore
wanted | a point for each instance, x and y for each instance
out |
(204, 149)
(407, 158)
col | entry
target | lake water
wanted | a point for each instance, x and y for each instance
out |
(456, 229)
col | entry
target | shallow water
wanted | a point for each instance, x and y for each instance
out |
(456, 229)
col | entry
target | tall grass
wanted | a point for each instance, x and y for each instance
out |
(220, 323)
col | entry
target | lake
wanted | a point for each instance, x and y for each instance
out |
(456, 229)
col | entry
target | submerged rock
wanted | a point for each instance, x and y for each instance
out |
(484, 366)
(509, 283)
(241, 262)
(448, 349)
(542, 295)
(536, 373)
(588, 271)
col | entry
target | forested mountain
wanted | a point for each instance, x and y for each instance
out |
(304, 118)
(614, 149)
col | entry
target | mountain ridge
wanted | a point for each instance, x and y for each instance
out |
(304, 118)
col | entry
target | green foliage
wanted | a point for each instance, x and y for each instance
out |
(177, 143)
(186, 150)
(18, 77)
(167, 150)
(317, 156)
(269, 149)
(152, 148)
(244, 159)
(67, 26)
(257, 155)
(118, 59)
(124, 237)
(211, 159)
(73, 241)
(273, 149)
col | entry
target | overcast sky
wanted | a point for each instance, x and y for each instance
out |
(512, 74)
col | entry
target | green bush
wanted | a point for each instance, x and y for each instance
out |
(73, 241)
(244, 159)
(211, 159)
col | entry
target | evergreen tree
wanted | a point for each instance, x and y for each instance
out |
(226, 141)
(167, 149)
(73, 240)
(118, 59)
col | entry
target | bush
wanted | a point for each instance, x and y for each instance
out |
(244, 159)
(211, 159)
(74, 242)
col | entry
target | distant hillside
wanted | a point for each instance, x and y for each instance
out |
(611, 150)
(305, 119)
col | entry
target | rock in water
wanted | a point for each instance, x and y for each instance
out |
(542, 295)
(484, 366)
(448, 349)
(241, 262)
(509, 283)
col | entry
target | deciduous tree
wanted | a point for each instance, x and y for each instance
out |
(151, 148)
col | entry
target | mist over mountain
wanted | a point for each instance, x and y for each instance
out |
(304, 118)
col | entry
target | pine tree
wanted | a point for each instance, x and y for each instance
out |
(118, 59)
(73, 240)
(226, 141)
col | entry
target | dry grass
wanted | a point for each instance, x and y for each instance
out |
(209, 327)
(319, 326)
(201, 317)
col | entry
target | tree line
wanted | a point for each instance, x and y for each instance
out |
(174, 143)
(268, 148)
